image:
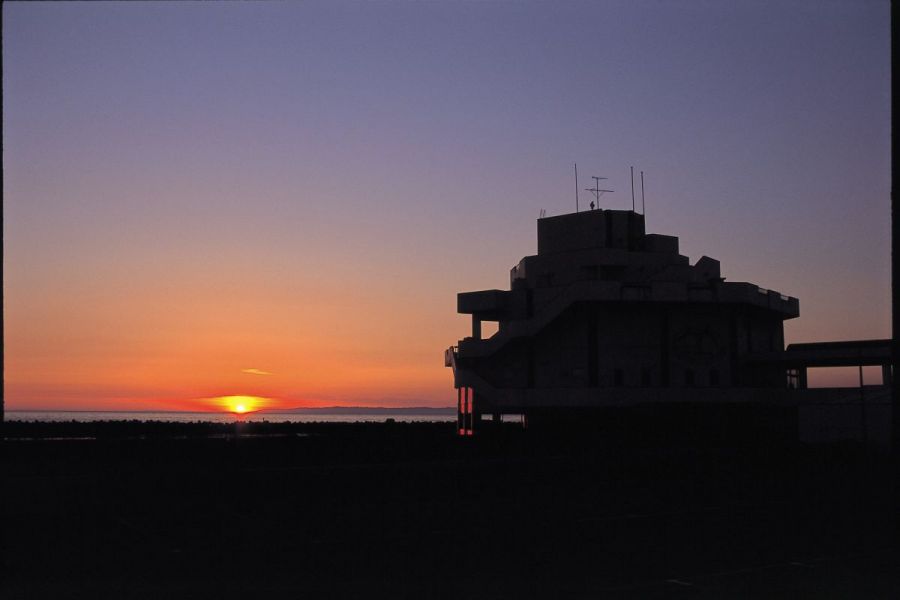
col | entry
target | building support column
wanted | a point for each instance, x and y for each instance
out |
(862, 408)
(466, 414)
(459, 412)
(472, 414)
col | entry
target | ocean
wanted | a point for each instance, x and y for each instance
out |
(344, 416)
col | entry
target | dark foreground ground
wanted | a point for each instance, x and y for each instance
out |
(410, 511)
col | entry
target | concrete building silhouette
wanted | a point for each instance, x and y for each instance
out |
(606, 315)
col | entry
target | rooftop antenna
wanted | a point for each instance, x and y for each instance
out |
(632, 189)
(542, 214)
(643, 206)
(576, 187)
(596, 190)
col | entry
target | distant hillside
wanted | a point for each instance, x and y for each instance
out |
(365, 410)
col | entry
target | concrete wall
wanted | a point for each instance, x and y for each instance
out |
(590, 229)
(596, 344)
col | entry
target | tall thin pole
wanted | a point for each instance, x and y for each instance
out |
(459, 411)
(576, 187)
(632, 189)
(643, 206)
(862, 409)
(895, 289)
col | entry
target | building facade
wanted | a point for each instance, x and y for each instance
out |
(605, 315)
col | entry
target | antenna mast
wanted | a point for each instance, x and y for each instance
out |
(576, 187)
(632, 189)
(643, 207)
(596, 190)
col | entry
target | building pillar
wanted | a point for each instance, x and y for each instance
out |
(803, 381)
(466, 413)
(862, 408)
(886, 375)
(459, 412)
(472, 414)
(476, 327)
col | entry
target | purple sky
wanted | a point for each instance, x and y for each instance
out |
(384, 156)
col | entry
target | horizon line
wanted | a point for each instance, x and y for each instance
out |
(227, 412)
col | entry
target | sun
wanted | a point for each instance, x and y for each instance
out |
(241, 405)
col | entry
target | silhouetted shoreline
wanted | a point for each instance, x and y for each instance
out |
(140, 429)
(411, 510)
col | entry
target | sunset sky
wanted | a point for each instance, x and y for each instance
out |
(282, 199)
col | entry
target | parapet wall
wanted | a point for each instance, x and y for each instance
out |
(592, 229)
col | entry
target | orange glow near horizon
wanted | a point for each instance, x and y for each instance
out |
(190, 347)
(243, 404)
(168, 243)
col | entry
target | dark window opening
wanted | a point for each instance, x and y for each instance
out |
(645, 377)
(589, 272)
(618, 377)
(714, 377)
(793, 379)
(689, 377)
